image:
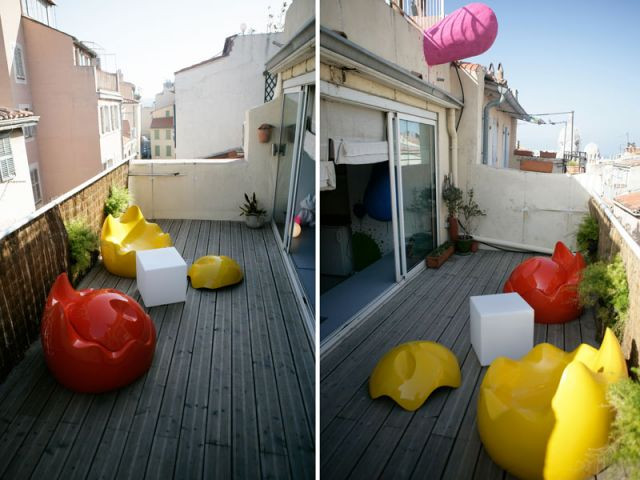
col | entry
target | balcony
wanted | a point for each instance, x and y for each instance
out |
(231, 387)
(106, 81)
(364, 438)
(421, 13)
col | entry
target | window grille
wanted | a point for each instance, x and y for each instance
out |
(270, 82)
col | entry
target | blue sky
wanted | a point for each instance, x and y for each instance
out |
(571, 55)
(154, 38)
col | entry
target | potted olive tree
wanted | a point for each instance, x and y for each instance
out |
(452, 197)
(254, 216)
(470, 211)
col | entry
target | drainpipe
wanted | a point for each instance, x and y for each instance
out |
(485, 123)
(453, 144)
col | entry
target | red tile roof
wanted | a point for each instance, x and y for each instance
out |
(10, 113)
(631, 201)
(162, 122)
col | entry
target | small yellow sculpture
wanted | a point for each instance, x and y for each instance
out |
(121, 237)
(410, 372)
(546, 415)
(214, 271)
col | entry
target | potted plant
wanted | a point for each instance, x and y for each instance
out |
(254, 216)
(438, 256)
(523, 153)
(470, 211)
(452, 197)
(545, 154)
(536, 165)
(573, 167)
(264, 132)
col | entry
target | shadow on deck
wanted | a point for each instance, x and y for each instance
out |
(363, 438)
(230, 392)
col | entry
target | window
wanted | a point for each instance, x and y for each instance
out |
(156, 134)
(18, 64)
(167, 134)
(114, 117)
(39, 10)
(168, 151)
(157, 150)
(30, 131)
(7, 167)
(35, 184)
(105, 119)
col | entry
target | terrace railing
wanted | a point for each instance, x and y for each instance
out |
(106, 81)
(34, 252)
(422, 13)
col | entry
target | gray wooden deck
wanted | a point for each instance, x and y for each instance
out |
(230, 393)
(364, 438)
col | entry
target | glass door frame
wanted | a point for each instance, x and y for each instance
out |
(285, 244)
(397, 204)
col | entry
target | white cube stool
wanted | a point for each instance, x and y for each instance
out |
(501, 326)
(162, 276)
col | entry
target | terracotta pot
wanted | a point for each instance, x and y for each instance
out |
(453, 229)
(264, 132)
(541, 166)
(436, 262)
(573, 169)
(523, 153)
(544, 154)
(474, 246)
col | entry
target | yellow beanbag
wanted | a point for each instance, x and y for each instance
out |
(546, 415)
(409, 373)
(122, 236)
(214, 271)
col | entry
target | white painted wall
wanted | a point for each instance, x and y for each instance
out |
(211, 99)
(16, 197)
(210, 189)
(529, 208)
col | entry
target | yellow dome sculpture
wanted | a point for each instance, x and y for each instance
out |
(214, 271)
(121, 237)
(409, 373)
(546, 415)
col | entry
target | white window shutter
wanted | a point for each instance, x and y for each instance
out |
(7, 167)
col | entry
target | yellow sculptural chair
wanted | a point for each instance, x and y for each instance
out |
(121, 237)
(546, 415)
(409, 373)
(214, 271)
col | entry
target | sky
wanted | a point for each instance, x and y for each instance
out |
(151, 39)
(568, 55)
(561, 55)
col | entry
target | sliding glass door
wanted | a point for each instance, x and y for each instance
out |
(415, 190)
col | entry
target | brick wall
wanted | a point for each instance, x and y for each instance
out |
(31, 258)
(610, 243)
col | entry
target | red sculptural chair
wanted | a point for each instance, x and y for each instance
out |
(95, 340)
(550, 285)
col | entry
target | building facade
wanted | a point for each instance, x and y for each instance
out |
(51, 73)
(162, 133)
(212, 96)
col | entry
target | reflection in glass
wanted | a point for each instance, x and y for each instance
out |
(417, 160)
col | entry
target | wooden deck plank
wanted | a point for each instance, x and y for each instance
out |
(295, 407)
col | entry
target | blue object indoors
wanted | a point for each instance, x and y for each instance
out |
(377, 196)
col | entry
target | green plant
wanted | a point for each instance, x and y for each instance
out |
(587, 237)
(452, 196)
(604, 286)
(470, 211)
(82, 243)
(572, 163)
(250, 208)
(624, 446)
(117, 201)
(436, 252)
(365, 251)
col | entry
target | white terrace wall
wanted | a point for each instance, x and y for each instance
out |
(210, 189)
(528, 208)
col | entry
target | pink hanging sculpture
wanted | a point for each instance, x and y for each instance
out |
(468, 31)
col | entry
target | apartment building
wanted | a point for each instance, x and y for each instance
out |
(162, 126)
(131, 120)
(54, 75)
(19, 184)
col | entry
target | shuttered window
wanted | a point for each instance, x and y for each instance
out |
(7, 167)
(35, 185)
(18, 63)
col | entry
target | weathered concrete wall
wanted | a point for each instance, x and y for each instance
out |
(613, 240)
(210, 189)
(211, 98)
(528, 208)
